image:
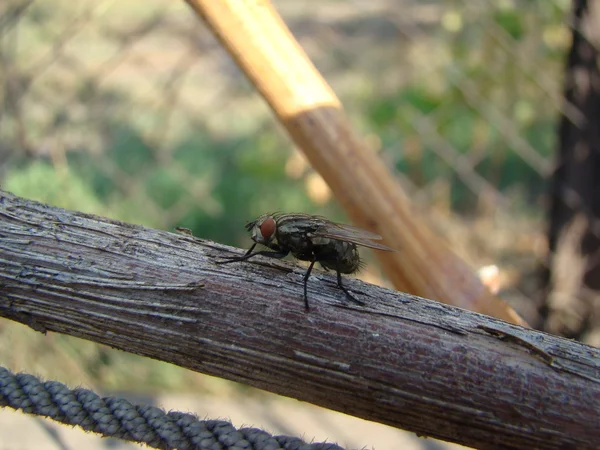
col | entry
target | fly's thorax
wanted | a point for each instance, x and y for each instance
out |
(294, 242)
(292, 234)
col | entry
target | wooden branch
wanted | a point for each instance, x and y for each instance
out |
(401, 360)
(261, 44)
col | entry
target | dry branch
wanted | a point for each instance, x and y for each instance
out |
(401, 360)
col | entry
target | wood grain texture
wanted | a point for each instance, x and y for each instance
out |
(263, 47)
(401, 360)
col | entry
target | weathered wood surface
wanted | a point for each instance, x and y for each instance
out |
(401, 360)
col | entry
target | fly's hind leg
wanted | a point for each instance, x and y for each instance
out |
(346, 291)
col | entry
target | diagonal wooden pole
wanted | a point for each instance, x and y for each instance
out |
(262, 45)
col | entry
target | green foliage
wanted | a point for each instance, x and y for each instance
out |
(511, 21)
(164, 188)
(451, 113)
(38, 180)
(222, 183)
(128, 150)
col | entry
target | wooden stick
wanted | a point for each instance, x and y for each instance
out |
(401, 360)
(264, 48)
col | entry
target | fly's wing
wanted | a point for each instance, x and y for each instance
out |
(349, 233)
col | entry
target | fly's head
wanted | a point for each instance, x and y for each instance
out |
(263, 230)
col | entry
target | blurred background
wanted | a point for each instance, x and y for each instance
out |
(133, 111)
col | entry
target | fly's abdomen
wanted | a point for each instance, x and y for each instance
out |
(340, 255)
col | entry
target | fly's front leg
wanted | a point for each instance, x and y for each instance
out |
(346, 291)
(249, 254)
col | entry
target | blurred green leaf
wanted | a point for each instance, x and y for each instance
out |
(511, 21)
(164, 188)
(38, 180)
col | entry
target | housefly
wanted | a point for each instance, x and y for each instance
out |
(311, 238)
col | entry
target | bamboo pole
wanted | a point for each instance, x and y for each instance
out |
(262, 45)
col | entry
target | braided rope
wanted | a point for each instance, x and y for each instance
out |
(118, 418)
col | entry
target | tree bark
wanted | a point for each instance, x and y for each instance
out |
(571, 306)
(400, 360)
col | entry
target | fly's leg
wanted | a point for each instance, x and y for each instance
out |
(249, 255)
(312, 263)
(346, 291)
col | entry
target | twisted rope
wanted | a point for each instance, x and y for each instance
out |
(118, 418)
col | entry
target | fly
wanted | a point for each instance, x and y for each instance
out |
(311, 238)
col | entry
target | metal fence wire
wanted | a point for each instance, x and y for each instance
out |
(106, 105)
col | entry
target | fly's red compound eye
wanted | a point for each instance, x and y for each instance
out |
(267, 228)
